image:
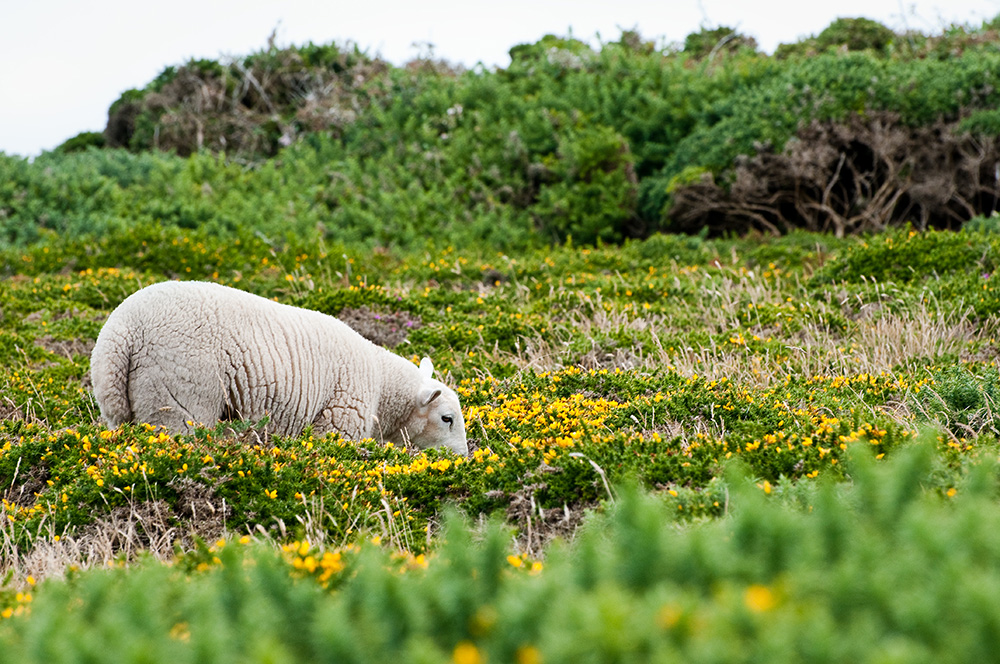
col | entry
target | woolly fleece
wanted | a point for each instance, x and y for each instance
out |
(179, 354)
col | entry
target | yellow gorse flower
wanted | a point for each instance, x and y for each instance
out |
(759, 598)
(466, 652)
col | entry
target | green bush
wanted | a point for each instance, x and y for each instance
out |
(708, 41)
(81, 142)
(907, 256)
(568, 140)
(982, 122)
(857, 34)
(593, 196)
(962, 402)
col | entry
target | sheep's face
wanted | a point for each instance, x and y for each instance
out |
(437, 419)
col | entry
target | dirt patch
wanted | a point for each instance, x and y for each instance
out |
(385, 328)
(67, 348)
(493, 277)
(10, 411)
(156, 526)
(538, 526)
(983, 353)
(667, 431)
(25, 484)
(129, 529)
(609, 358)
(898, 409)
(201, 511)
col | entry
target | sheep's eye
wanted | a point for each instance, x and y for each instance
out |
(447, 419)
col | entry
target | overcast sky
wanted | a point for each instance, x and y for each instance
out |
(62, 62)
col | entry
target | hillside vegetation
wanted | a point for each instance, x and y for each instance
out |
(857, 129)
(753, 440)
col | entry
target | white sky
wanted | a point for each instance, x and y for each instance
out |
(62, 62)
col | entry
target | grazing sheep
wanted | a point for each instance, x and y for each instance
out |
(183, 353)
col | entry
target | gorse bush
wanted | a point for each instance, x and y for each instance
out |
(594, 196)
(906, 256)
(850, 34)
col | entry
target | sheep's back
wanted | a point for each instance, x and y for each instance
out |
(265, 358)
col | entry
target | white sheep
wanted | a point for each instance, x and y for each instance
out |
(179, 354)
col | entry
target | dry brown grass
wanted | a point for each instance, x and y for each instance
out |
(161, 531)
(877, 337)
(122, 535)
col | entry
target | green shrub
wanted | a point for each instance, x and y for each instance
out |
(857, 34)
(81, 142)
(982, 122)
(708, 41)
(962, 402)
(593, 197)
(567, 141)
(789, 571)
(982, 224)
(907, 256)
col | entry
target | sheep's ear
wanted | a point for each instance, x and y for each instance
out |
(428, 394)
(426, 368)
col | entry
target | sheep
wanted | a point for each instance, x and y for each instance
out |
(180, 354)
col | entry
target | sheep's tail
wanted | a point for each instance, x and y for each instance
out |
(109, 372)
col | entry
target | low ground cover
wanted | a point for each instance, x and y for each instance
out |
(659, 364)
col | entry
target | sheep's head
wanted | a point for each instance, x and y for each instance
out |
(437, 419)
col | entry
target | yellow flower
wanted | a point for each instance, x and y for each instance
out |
(516, 561)
(759, 598)
(528, 655)
(668, 616)
(466, 652)
(180, 632)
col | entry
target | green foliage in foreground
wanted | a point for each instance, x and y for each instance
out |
(876, 570)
